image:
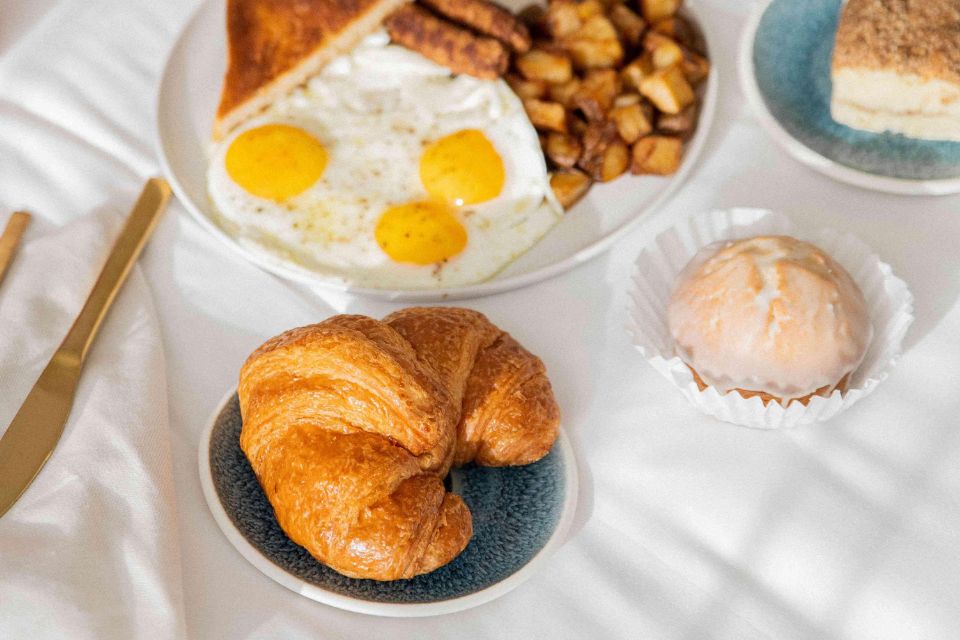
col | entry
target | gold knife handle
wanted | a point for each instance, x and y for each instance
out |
(140, 223)
(11, 238)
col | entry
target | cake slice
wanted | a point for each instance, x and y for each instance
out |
(275, 45)
(896, 67)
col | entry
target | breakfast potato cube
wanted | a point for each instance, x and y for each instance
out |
(628, 24)
(615, 162)
(667, 89)
(589, 8)
(627, 99)
(594, 54)
(526, 89)
(538, 64)
(605, 156)
(633, 74)
(654, 10)
(564, 92)
(678, 29)
(664, 52)
(658, 155)
(631, 121)
(562, 18)
(695, 67)
(681, 124)
(597, 139)
(563, 149)
(596, 93)
(576, 125)
(546, 115)
(569, 185)
(597, 27)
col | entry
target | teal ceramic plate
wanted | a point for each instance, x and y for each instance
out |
(520, 515)
(785, 58)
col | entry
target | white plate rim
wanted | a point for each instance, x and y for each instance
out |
(803, 153)
(490, 287)
(394, 610)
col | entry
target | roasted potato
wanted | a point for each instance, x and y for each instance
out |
(633, 74)
(654, 10)
(562, 18)
(597, 114)
(588, 8)
(597, 27)
(569, 185)
(525, 88)
(681, 124)
(563, 149)
(615, 162)
(605, 155)
(667, 89)
(594, 54)
(695, 67)
(538, 64)
(546, 115)
(596, 93)
(576, 125)
(658, 155)
(677, 28)
(564, 92)
(627, 99)
(664, 52)
(631, 121)
(628, 24)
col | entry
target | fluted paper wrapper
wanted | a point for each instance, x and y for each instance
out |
(657, 267)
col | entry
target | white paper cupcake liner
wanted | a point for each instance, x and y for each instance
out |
(657, 267)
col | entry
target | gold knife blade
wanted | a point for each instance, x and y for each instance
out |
(32, 436)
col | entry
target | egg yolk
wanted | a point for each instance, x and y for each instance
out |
(420, 232)
(275, 161)
(462, 168)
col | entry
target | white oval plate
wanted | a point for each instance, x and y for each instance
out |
(522, 542)
(838, 145)
(187, 99)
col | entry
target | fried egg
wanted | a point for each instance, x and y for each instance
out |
(387, 172)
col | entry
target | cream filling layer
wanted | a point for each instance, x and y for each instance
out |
(878, 101)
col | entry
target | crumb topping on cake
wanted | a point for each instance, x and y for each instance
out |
(907, 36)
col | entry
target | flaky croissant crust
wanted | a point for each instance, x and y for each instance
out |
(351, 424)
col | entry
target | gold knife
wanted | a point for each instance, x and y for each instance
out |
(10, 239)
(38, 425)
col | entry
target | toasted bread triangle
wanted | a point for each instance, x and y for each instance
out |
(275, 45)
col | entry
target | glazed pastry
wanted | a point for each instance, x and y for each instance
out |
(769, 316)
(896, 67)
(351, 424)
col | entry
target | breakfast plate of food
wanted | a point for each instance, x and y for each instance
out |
(410, 466)
(865, 92)
(436, 149)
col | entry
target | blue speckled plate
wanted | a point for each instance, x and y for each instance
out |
(785, 58)
(520, 514)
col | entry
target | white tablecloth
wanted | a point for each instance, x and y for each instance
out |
(686, 527)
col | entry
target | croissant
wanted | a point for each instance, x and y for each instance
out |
(351, 424)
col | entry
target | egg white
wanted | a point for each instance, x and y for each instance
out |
(374, 110)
